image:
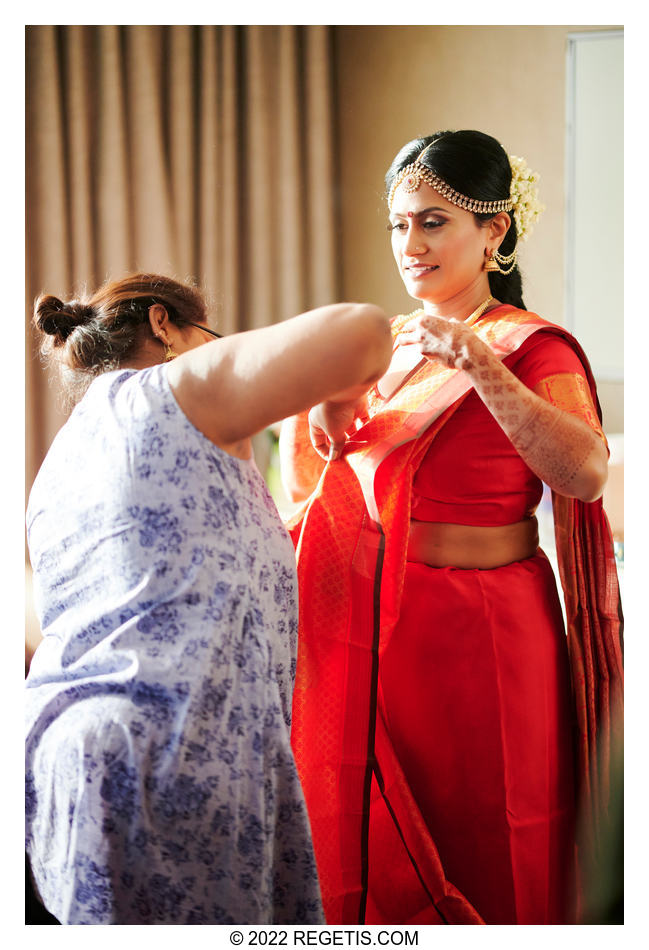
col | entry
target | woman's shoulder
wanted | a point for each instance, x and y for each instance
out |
(116, 409)
(126, 387)
(548, 351)
(544, 333)
(130, 398)
(138, 412)
(506, 311)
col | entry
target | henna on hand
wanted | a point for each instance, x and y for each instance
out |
(450, 341)
(561, 449)
(562, 470)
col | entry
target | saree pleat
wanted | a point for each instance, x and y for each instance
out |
(351, 540)
(477, 706)
(440, 902)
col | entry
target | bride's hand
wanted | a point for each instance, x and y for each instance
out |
(450, 341)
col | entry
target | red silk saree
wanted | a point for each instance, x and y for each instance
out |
(356, 723)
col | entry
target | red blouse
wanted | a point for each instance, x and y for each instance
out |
(472, 474)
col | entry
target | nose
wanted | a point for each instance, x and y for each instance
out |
(413, 246)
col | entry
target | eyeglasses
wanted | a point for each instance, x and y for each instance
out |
(201, 326)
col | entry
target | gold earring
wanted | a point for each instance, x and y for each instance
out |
(491, 265)
(169, 353)
(500, 263)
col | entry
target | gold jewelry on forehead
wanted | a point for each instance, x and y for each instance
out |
(412, 176)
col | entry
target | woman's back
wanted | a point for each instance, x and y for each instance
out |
(164, 679)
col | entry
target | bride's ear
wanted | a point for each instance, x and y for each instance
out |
(498, 227)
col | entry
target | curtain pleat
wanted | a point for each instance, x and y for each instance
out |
(323, 202)
(181, 124)
(209, 133)
(201, 152)
(259, 202)
(115, 237)
(290, 198)
(78, 109)
(149, 171)
(47, 256)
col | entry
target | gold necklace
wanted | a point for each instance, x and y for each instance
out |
(469, 322)
(475, 316)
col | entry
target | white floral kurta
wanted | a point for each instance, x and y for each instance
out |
(161, 786)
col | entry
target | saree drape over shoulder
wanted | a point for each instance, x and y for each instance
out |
(443, 731)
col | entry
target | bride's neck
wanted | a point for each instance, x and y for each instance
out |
(462, 305)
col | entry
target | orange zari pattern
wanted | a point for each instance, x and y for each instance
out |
(571, 393)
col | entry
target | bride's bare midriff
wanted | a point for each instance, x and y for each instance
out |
(472, 546)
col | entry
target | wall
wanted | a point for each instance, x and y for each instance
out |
(396, 82)
(595, 228)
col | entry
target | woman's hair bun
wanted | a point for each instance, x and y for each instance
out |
(59, 319)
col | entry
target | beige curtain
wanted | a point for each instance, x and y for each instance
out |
(201, 152)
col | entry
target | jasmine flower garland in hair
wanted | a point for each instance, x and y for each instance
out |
(524, 196)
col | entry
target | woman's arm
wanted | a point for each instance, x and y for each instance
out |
(234, 387)
(561, 449)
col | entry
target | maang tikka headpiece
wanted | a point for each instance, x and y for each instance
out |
(412, 176)
(523, 199)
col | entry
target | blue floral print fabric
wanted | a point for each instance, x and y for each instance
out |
(161, 785)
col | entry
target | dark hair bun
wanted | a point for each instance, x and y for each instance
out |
(59, 319)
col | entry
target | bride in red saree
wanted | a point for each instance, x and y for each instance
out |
(448, 734)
